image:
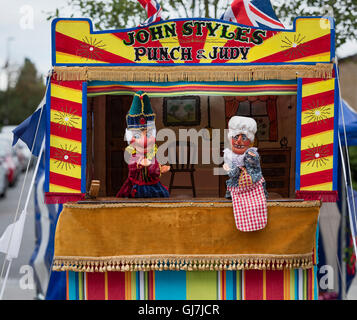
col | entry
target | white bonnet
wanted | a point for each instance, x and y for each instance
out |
(242, 125)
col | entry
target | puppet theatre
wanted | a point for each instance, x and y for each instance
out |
(195, 74)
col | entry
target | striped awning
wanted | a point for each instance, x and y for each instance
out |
(162, 89)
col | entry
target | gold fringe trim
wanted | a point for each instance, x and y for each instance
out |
(86, 206)
(185, 263)
(196, 73)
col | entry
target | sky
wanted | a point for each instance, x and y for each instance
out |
(25, 32)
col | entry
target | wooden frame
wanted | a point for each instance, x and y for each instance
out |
(183, 119)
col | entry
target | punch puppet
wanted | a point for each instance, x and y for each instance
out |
(144, 170)
(246, 184)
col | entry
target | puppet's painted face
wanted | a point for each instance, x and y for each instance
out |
(240, 143)
(143, 140)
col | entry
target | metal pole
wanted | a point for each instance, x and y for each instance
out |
(7, 72)
(342, 236)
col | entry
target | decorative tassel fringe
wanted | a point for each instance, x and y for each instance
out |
(182, 264)
(57, 197)
(324, 196)
(196, 73)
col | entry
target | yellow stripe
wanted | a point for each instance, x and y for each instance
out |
(311, 167)
(58, 167)
(67, 119)
(65, 144)
(220, 42)
(319, 187)
(310, 29)
(321, 57)
(56, 188)
(292, 284)
(316, 114)
(171, 43)
(62, 57)
(322, 138)
(317, 87)
(66, 93)
(106, 285)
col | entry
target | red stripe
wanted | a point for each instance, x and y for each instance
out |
(235, 43)
(265, 17)
(116, 285)
(193, 41)
(327, 150)
(73, 157)
(312, 179)
(317, 127)
(311, 80)
(151, 285)
(66, 44)
(310, 48)
(67, 106)
(274, 284)
(77, 85)
(223, 285)
(65, 181)
(324, 196)
(253, 283)
(95, 283)
(317, 100)
(59, 130)
(67, 285)
(123, 36)
(62, 197)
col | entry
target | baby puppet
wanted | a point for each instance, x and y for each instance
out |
(144, 170)
(246, 185)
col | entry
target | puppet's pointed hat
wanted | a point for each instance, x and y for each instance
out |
(140, 115)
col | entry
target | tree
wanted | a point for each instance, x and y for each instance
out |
(117, 14)
(344, 12)
(353, 163)
(20, 101)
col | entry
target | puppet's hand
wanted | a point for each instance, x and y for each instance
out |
(145, 162)
(164, 169)
(226, 167)
(252, 158)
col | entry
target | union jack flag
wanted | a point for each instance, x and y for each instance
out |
(153, 10)
(256, 13)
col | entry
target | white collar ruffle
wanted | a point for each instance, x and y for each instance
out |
(233, 159)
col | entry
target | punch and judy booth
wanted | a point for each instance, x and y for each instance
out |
(186, 247)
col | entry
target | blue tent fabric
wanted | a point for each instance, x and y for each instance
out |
(353, 201)
(352, 232)
(350, 120)
(50, 285)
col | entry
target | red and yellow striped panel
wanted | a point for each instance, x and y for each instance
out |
(65, 172)
(317, 135)
(191, 41)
